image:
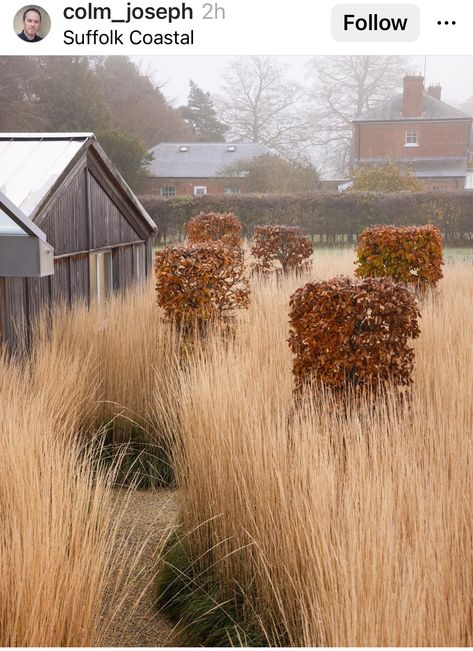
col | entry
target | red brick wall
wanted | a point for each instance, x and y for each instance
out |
(186, 186)
(387, 139)
(412, 96)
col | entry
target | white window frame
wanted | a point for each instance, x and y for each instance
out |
(168, 191)
(412, 138)
(200, 190)
(231, 191)
(100, 275)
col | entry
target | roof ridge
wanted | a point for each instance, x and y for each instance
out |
(378, 106)
(440, 101)
(432, 109)
(217, 144)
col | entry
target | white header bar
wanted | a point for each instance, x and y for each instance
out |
(237, 27)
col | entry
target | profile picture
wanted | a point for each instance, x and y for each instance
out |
(32, 23)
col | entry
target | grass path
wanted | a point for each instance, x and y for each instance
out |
(146, 516)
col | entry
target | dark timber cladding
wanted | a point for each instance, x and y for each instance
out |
(100, 233)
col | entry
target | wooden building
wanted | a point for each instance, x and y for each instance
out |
(67, 187)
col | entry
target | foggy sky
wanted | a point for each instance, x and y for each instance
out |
(453, 73)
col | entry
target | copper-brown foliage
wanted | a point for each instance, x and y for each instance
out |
(201, 284)
(353, 334)
(408, 254)
(280, 247)
(213, 227)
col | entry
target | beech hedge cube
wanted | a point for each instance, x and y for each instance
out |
(214, 227)
(408, 254)
(281, 249)
(201, 284)
(353, 333)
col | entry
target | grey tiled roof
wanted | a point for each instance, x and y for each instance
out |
(428, 167)
(202, 159)
(432, 109)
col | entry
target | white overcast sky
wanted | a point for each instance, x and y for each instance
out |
(453, 73)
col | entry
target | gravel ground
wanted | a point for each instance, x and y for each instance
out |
(147, 515)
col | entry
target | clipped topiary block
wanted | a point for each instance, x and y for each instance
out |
(352, 334)
(408, 254)
(201, 284)
(214, 227)
(280, 248)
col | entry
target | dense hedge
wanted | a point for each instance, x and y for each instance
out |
(214, 227)
(349, 334)
(407, 254)
(328, 218)
(201, 284)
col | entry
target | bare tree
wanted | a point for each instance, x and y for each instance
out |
(344, 87)
(260, 103)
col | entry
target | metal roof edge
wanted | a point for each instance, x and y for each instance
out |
(46, 136)
(20, 218)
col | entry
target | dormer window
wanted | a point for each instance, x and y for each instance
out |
(183, 148)
(231, 147)
(412, 138)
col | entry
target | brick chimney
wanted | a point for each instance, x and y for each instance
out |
(435, 91)
(412, 99)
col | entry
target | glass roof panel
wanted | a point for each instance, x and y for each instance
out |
(29, 168)
(8, 226)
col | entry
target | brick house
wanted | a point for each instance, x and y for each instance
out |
(198, 168)
(418, 129)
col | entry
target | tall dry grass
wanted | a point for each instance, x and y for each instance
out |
(61, 571)
(340, 531)
(55, 513)
(131, 358)
(349, 530)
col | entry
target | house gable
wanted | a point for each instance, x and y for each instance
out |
(82, 206)
(60, 200)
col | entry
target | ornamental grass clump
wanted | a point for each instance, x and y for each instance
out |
(408, 254)
(201, 285)
(346, 527)
(353, 334)
(214, 227)
(280, 248)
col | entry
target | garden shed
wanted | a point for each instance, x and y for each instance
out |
(63, 190)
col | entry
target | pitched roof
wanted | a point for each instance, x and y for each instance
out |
(32, 166)
(201, 159)
(432, 109)
(428, 167)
